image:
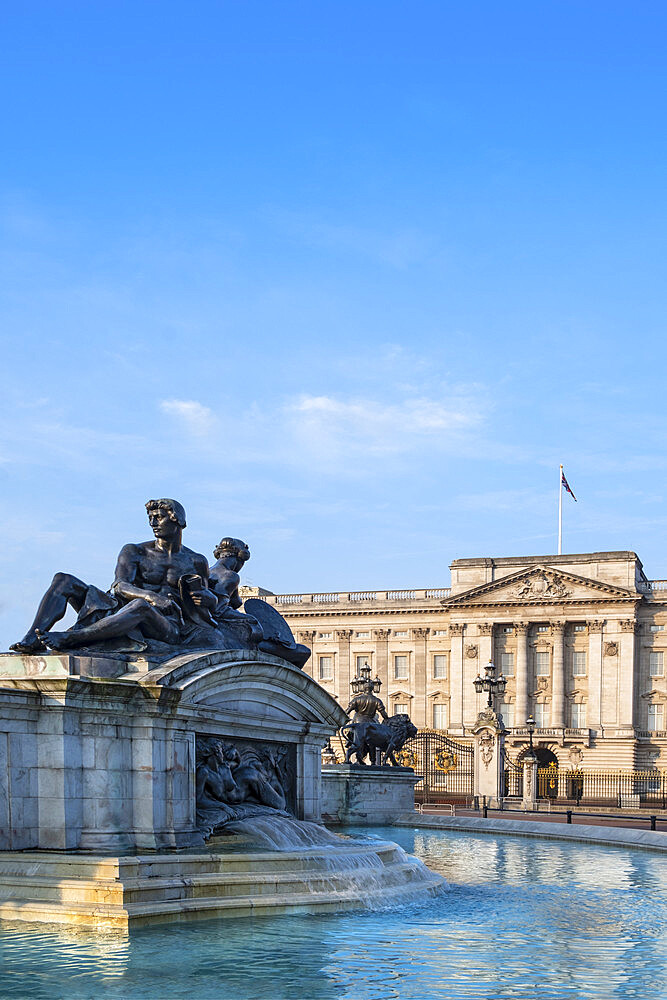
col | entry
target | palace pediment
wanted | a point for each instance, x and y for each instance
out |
(540, 586)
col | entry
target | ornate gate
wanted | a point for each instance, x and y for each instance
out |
(446, 767)
(512, 777)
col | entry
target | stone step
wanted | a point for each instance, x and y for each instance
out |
(44, 889)
(185, 864)
(121, 892)
(103, 916)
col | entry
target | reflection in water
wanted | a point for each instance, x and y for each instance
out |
(521, 919)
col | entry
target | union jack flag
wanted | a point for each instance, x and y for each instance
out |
(564, 482)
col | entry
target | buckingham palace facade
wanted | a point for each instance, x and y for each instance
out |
(581, 640)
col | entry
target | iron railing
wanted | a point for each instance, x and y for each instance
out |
(618, 789)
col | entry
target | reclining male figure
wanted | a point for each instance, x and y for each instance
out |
(144, 595)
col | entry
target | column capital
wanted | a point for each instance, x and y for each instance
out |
(421, 633)
(308, 636)
(382, 633)
(522, 628)
(456, 628)
(486, 628)
(557, 628)
(344, 634)
(596, 624)
(628, 625)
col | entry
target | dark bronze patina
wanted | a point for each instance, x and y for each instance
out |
(365, 736)
(163, 598)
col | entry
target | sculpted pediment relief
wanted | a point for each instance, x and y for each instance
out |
(540, 585)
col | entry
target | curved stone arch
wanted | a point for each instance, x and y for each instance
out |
(254, 685)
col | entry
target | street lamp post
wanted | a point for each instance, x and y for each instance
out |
(530, 723)
(490, 683)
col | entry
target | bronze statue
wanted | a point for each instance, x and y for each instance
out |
(144, 601)
(162, 598)
(365, 736)
(367, 739)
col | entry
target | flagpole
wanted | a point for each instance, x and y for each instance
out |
(560, 509)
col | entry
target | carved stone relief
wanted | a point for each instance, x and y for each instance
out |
(541, 587)
(610, 648)
(471, 651)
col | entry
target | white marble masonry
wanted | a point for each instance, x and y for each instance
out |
(109, 764)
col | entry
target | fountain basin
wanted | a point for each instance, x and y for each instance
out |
(116, 893)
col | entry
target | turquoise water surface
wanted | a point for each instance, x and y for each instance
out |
(521, 919)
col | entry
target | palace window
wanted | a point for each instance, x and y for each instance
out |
(541, 715)
(508, 629)
(656, 628)
(439, 716)
(362, 661)
(439, 666)
(400, 709)
(578, 663)
(579, 628)
(578, 715)
(542, 628)
(655, 718)
(400, 667)
(402, 634)
(440, 631)
(506, 709)
(326, 668)
(363, 635)
(655, 663)
(542, 663)
(507, 664)
(326, 635)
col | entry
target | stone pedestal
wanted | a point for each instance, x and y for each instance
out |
(529, 801)
(488, 734)
(365, 796)
(108, 763)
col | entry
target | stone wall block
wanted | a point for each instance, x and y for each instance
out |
(4, 793)
(23, 749)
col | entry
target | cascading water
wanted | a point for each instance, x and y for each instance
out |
(366, 872)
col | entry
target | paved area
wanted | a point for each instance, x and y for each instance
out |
(616, 833)
(578, 818)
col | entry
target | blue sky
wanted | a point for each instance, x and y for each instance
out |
(347, 279)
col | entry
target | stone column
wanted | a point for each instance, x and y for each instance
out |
(312, 667)
(627, 674)
(558, 675)
(344, 691)
(472, 665)
(381, 636)
(595, 645)
(486, 645)
(456, 675)
(418, 715)
(529, 801)
(484, 656)
(522, 709)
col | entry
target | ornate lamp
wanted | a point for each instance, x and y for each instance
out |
(363, 682)
(490, 683)
(530, 723)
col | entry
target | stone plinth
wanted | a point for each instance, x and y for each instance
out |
(101, 756)
(488, 733)
(365, 796)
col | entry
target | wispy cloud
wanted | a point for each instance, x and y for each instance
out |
(331, 426)
(195, 417)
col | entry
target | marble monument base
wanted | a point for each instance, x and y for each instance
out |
(108, 763)
(366, 795)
